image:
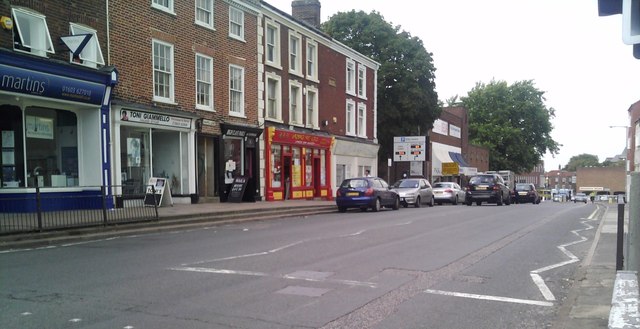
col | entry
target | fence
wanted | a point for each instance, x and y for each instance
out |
(57, 209)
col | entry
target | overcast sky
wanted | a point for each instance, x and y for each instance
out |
(576, 57)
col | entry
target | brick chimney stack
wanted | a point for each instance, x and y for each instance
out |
(307, 11)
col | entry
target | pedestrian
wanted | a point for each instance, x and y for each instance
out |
(367, 173)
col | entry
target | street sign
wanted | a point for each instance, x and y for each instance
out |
(409, 148)
(450, 169)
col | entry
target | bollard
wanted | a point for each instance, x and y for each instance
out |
(620, 235)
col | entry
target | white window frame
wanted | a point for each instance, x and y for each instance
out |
(236, 19)
(237, 89)
(273, 98)
(205, 7)
(350, 118)
(312, 98)
(91, 55)
(201, 80)
(168, 71)
(273, 44)
(350, 76)
(158, 4)
(312, 60)
(295, 53)
(362, 120)
(38, 42)
(296, 106)
(362, 81)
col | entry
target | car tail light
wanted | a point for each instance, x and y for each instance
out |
(368, 192)
(496, 187)
(448, 190)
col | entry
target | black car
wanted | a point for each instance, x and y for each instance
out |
(488, 188)
(524, 193)
(365, 193)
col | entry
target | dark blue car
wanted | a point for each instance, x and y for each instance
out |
(365, 193)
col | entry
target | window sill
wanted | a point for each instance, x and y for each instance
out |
(237, 115)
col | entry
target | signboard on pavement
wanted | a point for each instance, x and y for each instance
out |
(409, 148)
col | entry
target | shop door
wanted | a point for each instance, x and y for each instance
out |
(206, 177)
(316, 177)
(287, 176)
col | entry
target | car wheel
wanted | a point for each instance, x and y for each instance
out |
(432, 202)
(396, 205)
(418, 203)
(499, 202)
(455, 201)
(468, 201)
(376, 205)
(479, 203)
(508, 202)
(342, 209)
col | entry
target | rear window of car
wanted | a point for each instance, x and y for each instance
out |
(355, 183)
(482, 180)
(407, 183)
(523, 187)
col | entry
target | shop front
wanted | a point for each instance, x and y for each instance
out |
(54, 132)
(239, 157)
(157, 144)
(298, 165)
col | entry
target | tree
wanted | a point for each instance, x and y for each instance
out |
(582, 160)
(407, 101)
(513, 122)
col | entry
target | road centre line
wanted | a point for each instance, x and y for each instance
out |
(488, 297)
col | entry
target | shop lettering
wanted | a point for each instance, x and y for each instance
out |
(237, 133)
(23, 84)
(73, 91)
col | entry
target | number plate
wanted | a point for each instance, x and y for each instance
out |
(481, 187)
(353, 194)
(522, 193)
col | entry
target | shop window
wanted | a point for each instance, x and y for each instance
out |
(350, 118)
(164, 5)
(204, 82)
(276, 166)
(308, 167)
(52, 147)
(350, 78)
(233, 162)
(312, 61)
(236, 90)
(135, 159)
(91, 55)
(312, 108)
(295, 103)
(296, 168)
(272, 50)
(12, 174)
(163, 72)
(30, 32)
(294, 54)
(204, 13)
(274, 92)
(362, 170)
(236, 23)
(323, 168)
(340, 173)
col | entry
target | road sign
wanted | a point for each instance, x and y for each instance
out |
(409, 148)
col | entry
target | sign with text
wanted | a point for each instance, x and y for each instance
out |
(409, 148)
(154, 119)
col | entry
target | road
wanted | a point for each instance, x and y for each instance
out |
(441, 267)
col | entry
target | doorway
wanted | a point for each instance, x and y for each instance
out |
(287, 176)
(316, 177)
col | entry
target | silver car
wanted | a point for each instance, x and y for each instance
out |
(414, 191)
(448, 192)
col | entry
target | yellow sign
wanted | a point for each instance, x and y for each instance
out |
(450, 169)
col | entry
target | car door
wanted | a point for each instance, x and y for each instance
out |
(383, 191)
(426, 192)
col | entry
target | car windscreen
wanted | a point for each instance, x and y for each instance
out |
(407, 183)
(354, 183)
(443, 185)
(481, 180)
(522, 187)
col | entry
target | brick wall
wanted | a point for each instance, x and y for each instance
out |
(613, 178)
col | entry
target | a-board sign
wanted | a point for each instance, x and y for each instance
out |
(161, 187)
(237, 189)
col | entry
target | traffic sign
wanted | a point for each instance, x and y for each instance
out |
(409, 148)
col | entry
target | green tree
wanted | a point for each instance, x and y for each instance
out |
(407, 101)
(582, 160)
(513, 122)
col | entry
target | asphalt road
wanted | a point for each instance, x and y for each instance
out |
(441, 267)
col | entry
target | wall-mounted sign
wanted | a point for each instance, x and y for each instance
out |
(409, 148)
(154, 119)
(455, 131)
(440, 127)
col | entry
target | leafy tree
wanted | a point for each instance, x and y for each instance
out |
(513, 122)
(582, 160)
(407, 101)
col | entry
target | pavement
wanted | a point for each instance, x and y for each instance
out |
(596, 285)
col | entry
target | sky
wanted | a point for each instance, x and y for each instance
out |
(589, 76)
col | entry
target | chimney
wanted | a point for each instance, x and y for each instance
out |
(307, 11)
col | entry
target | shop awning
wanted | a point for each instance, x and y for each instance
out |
(465, 168)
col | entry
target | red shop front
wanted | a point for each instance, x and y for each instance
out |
(298, 165)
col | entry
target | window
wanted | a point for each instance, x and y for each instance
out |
(312, 60)
(236, 23)
(204, 82)
(295, 103)
(351, 77)
(204, 13)
(294, 54)
(91, 55)
(162, 71)
(312, 107)
(362, 120)
(274, 92)
(362, 81)
(236, 90)
(351, 118)
(272, 50)
(30, 32)
(164, 5)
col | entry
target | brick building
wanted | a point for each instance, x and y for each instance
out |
(560, 179)
(601, 179)
(633, 138)
(54, 99)
(535, 177)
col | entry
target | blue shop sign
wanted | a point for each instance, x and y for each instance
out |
(35, 83)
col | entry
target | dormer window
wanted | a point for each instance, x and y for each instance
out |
(30, 32)
(91, 55)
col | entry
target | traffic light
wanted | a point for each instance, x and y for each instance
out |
(630, 10)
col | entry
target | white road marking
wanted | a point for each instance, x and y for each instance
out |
(487, 297)
(26, 313)
(217, 271)
(76, 320)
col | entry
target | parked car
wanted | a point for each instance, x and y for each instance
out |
(414, 191)
(581, 197)
(448, 192)
(365, 193)
(525, 192)
(488, 188)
